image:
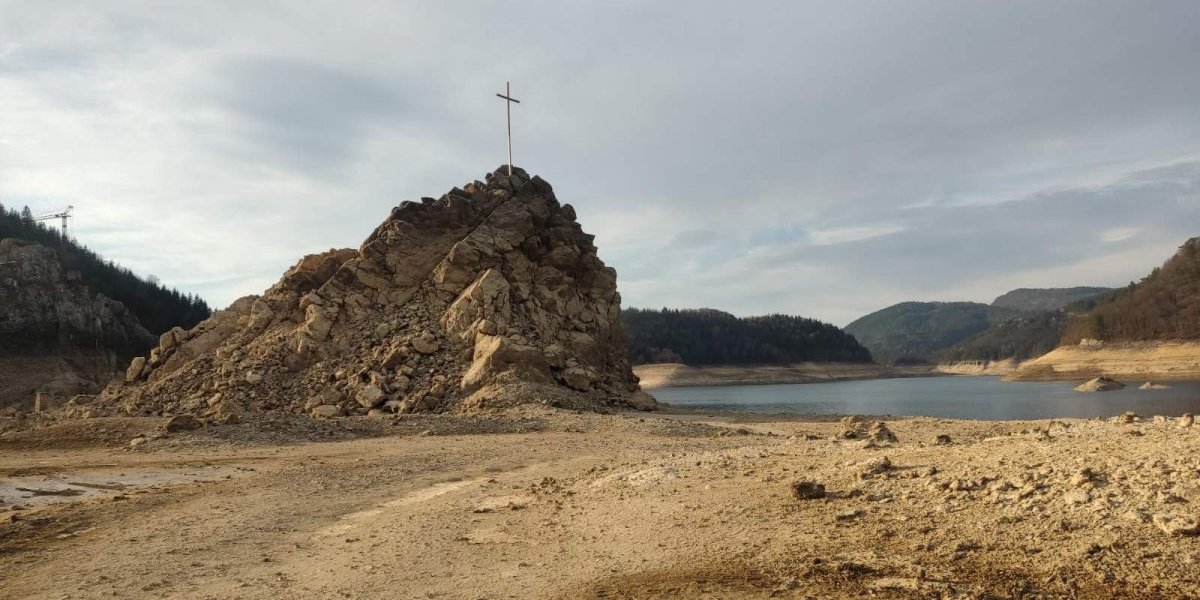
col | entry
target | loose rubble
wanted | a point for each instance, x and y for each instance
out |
(490, 295)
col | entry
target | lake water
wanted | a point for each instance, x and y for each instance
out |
(947, 397)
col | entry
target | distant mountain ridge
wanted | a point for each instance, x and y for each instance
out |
(712, 337)
(1021, 323)
(1039, 299)
(911, 332)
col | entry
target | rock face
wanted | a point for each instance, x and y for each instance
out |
(491, 294)
(56, 336)
(45, 307)
(1100, 384)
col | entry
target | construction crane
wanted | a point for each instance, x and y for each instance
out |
(62, 214)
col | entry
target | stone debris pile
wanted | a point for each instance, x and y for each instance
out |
(491, 294)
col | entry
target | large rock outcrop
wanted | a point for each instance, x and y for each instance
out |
(56, 336)
(490, 294)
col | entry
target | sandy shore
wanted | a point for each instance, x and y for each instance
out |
(552, 504)
(680, 375)
(1140, 360)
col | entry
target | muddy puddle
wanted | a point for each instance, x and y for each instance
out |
(39, 490)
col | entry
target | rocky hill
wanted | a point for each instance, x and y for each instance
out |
(1046, 299)
(155, 306)
(56, 335)
(712, 337)
(491, 294)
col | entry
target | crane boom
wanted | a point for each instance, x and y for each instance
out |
(62, 214)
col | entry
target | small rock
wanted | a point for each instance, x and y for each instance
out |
(1076, 497)
(1084, 476)
(326, 411)
(942, 440)
(425, 344)
(879, 432)
(1177, 525)
(849, 515)
(1186, 420)
(875, 467)
(808, 490)
(369, 396)
(137, 441)
(183, 423)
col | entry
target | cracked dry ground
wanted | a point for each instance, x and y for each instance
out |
(583, 506)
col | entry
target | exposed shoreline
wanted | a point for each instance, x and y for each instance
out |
(663, 375)
(979, 368)
(1172, 361)
(548, 504)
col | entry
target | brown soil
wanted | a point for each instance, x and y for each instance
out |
(540, 503)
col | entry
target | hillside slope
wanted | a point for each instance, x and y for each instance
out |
(155, 306)
(712, 337)
(915, 331)
(1021, 337)
(1165, 305)
(1046, 299)
(1149, 330)
(56, 335)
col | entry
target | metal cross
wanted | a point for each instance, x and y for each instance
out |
(507, 95)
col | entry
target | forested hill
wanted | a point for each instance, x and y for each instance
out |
(156, 307)
(1043, 299)
(712, 337)
(1027, 335)
(1165, 305)
(914, 331)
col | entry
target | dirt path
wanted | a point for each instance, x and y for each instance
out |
(618, 507)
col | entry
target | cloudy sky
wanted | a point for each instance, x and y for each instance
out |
(817, 158)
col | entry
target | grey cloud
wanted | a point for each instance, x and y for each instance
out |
(308, 116)
(927, 148)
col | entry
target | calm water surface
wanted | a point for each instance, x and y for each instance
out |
(948, 397)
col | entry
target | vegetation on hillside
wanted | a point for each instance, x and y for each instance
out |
(1043, 299)
(1020, 324)
(1165, 305)
(712, 337)
(912, 332)
(1021, 337)
(156, 307)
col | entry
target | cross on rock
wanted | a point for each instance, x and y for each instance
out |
(508, 101)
